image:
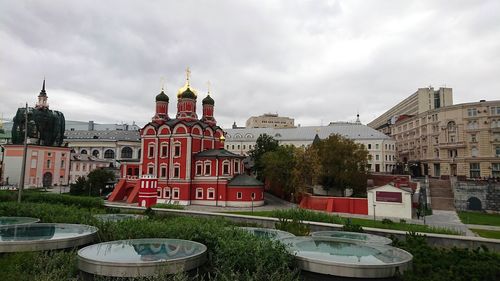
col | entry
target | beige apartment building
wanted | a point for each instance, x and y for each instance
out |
(270, 120)
(458, 140)
(422, 100)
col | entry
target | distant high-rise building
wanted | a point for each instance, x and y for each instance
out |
(270, 120)
(424, 99)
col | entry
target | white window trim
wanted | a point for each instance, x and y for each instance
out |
(164, 147)
(211, 190)
(199, 164)
(151, 145)
(173, 171)
(163, 166)
(209, 163)
(199, 189)
(239, 195)
(165, 190)
(176, 144)
(174, 190)
(151, 166)
(237, 164)
(224, 163)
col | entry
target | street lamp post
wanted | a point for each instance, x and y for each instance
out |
(25, 152)
(374, 217)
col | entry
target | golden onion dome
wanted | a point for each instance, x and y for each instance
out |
(187, 91)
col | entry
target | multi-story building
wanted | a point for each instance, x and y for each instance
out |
(422, 100)
(187, 157)
(83, 164)
(458, 140)
(381, 148)
(270, 120)
(113, 146)
(47, 162)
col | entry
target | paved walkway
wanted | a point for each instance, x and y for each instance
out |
(485, 227)
(448, 219)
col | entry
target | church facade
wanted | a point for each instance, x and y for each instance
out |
(187, 157)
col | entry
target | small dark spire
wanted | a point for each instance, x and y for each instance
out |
(42, 92)
(316, 140)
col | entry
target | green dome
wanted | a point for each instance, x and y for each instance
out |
(162, 97)
(188, 94)
(208, 100)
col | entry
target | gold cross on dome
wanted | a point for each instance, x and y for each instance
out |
(162, 82)
(188, 75)
(208, 87)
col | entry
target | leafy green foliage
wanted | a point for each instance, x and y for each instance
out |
(352, 227)
(293, 226)
(52, 198)
(435, 264)
(343, 164)
(48, 212)
(264, 143)
(487, 233)
(174, 206)
(94, 185)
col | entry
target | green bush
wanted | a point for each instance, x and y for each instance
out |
(387, 221)
(52, 198)
(174, 206)
(48, 212)
(293, 226)
(352, 227)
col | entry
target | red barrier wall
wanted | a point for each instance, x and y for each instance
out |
(335, 204)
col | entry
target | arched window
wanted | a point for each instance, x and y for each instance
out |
(109, 154)
(126, 152)
(83, 151)
(225, 167)
(452, 127)
(95, 153)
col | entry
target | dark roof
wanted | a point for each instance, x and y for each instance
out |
(162, 97)
(188, 94)
(218, 153)
(245, 180)
(172, 122)
(208, 100)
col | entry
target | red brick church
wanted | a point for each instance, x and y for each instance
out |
(183, 160)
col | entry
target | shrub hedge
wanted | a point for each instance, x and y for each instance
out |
(53, 198)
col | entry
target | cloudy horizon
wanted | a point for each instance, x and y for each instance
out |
(314, 61)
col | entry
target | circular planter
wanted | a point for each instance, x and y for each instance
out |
(45, 236)
(353, 236)
(268, 232)
(141, 257)
(348, 258)
(6, 221)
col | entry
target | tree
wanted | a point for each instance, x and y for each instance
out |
(79, 187)
(278, 168)
(92, 186)
(264, 143)
(343, 164)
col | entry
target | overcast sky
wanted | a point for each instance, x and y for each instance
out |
(315, 61)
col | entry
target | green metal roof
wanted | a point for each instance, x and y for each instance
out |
(218, 153)
(245, 180)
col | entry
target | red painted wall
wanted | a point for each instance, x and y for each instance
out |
(335, 204)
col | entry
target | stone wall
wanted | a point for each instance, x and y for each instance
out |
(488, 193)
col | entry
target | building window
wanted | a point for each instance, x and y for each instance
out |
(211, 193)
(473, 138)
(495, 110)
(48, 164)
(239, 195)
(158, 192)
(199, 193)
(253, 195)
(471, 112)
(62, 164)
(175, 194)
(166, 192)
(163, 172)
(369, 146)
(377, 157)
(475, 170)
(474, 151)
(199, 168)
(126, 152)
(376, 146)
(236, 166)
(151, 170)
(33, 163)
(497, 151)
(225, 168)
(164, 150)
(207, 168)
(95, 153)
(177, 172)
(109, 154)
(83, 151)
(151, 151)
(495, 170)
(177, 150)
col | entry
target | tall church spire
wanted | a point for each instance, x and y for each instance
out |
(42, 98)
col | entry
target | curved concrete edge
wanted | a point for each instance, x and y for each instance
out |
(52, 244)
(115, 269)
(35, 220)
(434, 239)
(382, 239)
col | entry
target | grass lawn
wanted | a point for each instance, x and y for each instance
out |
(307, 215)
(479, 218)
(487, 233)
